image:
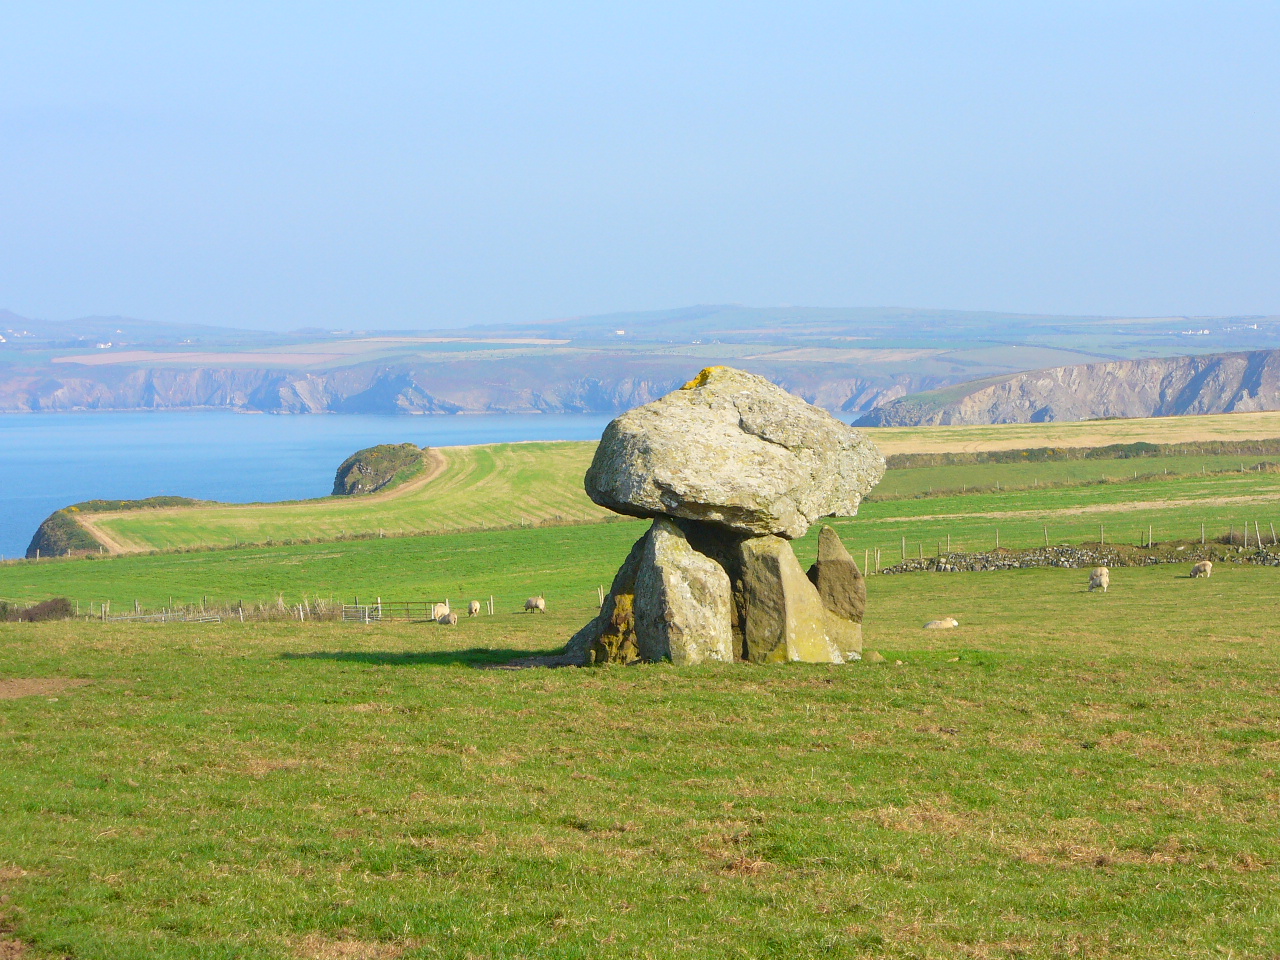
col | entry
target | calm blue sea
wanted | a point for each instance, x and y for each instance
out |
(50, 460)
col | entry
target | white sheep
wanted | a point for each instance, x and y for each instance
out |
(447, 619)
(1099, 579)
(946, 623)
(440, 610)
(1202, 569)
(535, 605)
(473, 608)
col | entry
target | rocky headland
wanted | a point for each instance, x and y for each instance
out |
(1172, 386)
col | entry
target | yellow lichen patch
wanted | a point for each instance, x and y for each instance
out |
(703, 378)
(617, 644)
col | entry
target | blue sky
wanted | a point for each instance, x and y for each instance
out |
(400, 165)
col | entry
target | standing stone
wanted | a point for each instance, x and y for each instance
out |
(682, 601)
(839, 581)
(733, 449)
(843, 591)
(610, 637)
(782, 615)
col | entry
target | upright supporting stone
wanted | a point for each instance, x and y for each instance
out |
(843, 591)
(682, 601)
(610, 637)
(782, 615)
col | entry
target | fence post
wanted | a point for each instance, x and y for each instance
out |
(904, 548)
(1046, 536)
(997, 538)
(1202, 534)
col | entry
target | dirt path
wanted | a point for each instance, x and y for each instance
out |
(111, 544)
(436, 463)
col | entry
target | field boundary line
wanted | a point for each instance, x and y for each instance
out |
(1069, 511)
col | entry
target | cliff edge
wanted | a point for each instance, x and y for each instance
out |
(1167, 387)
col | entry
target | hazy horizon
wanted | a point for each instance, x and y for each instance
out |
(408, 168)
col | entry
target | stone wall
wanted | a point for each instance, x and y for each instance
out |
(1084, 558)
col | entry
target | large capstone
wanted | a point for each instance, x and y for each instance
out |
(732, 449)
(682, 601)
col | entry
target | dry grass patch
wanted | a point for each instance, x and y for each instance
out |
(14, 689)
(317, 947)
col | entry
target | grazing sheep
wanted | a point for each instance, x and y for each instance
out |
(447, 619)
(535, 605)
(473, 608)
(946, 623)
(440, 610)
(1202, 569)
(1100, 578)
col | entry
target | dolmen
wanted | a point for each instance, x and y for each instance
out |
(731, 468)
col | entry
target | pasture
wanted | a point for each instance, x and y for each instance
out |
(499, 485)
(1066, 774)
(568, 562)
(527, 484)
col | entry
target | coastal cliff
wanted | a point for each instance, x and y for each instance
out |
(1173, 386)
(444, 388)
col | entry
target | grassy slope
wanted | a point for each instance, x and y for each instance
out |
(1065, 775)
(567, 563)
(510, 484)
(484, 486)
(1085, 433)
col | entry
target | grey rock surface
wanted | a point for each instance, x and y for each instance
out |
(731, 448)
(782, 615)
(1156, 387)
(839, 581)
(683, 601)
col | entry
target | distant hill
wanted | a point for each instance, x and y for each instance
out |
(1168, 387)
(849, 361)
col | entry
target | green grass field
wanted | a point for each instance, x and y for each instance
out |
(499, 485)
(567, 563)
(1068, 774)
(504, 485)
(1065, 775)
